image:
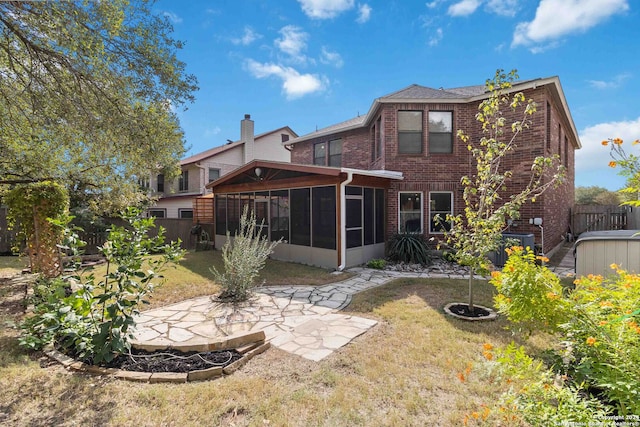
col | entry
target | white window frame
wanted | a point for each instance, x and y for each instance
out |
(180, 211)
(402, 229)
(163, 210)
(439, 212)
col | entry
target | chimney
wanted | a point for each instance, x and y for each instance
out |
(246, 136)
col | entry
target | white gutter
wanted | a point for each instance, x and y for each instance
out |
(343, 220)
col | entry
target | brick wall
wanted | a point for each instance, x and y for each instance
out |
(442, 172)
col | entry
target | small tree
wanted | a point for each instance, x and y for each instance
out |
(478, 231)
(243, 258)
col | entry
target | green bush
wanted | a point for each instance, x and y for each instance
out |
(378, 264)
(597, 324)
(95, 321)
(408, 247)
(243, 258)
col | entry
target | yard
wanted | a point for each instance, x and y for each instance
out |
(416, 367)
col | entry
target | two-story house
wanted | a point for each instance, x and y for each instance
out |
(352, 185)
(175, 199)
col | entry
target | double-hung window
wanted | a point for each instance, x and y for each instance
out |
(328, 153)
(409, 132)
(440, 132)
(440, 205)
(410, 212)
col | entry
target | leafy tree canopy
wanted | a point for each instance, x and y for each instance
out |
(595, 195)
(87, 95)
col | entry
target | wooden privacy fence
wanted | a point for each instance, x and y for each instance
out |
(599, 218)
(178, 228)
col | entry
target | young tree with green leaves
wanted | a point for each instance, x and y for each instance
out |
(88, 94)
(477, 232)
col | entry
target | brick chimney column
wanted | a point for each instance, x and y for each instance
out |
(247, 136)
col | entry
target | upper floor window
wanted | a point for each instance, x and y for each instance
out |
(440, 205)
(410, 212)
(160, 183)
(440, 132)
(183, 181)
(328, 153)
(409, 132)
(214, 174)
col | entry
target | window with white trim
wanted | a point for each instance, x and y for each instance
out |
(214, 173)
(185, 213)
(410, 212)
(440, 205)
(157, 213)
(183, 181)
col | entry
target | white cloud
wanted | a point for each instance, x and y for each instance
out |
(616, 82)
(209, 132)
(436, 38)
(175, 19)
(557, 18)
(294, 84)
(593, 155)
(248, 37)
(331, 58)
(433, 4)
(325, 9)
(364, 13)
(503, 7)
(293, 42)
(463, 8)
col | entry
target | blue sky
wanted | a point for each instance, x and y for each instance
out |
(308, 64)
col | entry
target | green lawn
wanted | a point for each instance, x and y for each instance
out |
(405, 371)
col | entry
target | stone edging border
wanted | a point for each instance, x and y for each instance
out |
(249, 345)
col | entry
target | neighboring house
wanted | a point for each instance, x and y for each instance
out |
(352, 185)
(176, 198)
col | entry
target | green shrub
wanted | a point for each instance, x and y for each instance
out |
(598, 324)
(408, 247)
(95, 322)
(531, 296)
(378, 264)
(243, 258)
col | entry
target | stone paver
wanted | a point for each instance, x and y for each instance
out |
(303, 320)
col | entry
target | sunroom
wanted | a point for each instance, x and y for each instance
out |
(327, 217)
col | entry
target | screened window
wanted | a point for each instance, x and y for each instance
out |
(440, 132)
(301, 216)
(221, 214)
(324, 217)
(380, 214)
(320, 154)
(369, 216)
(279, 211)
(440, 205)
(410, 212)
(409, 132)
(354, 221)
(183, 181)
(233, 213)
(214, 174)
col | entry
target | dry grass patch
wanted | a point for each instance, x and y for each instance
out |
(191, 277)
(403, 372)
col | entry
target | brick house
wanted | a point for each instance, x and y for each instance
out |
(404, 153)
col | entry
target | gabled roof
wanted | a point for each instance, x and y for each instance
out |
(228, 146)
(459, 95)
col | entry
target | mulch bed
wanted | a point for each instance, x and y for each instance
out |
(170, 360)
(463, 310)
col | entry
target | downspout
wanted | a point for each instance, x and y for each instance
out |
(343, 220)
